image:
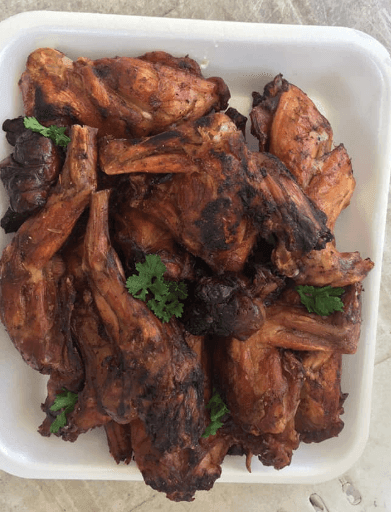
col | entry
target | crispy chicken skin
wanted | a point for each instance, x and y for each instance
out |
(31, 270)
(120, 96)
(224, 198)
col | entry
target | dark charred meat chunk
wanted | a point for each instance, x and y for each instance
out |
(29, 173)
(222, 306)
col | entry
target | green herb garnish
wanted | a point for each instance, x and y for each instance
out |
(66, 401)
(322, 301)
(218, 409)
(166, 294)
(55, 133)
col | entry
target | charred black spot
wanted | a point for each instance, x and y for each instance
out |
(247, 193)
(161, 138)
(45, 111)
(101, 71)
(211, 229)
(238, 119)
(204, 122)
(103, 112)
(154, 101)
(184, 64)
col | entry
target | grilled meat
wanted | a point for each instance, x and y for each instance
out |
(120, 96)
(30, 269)
(29, 173)
(220, 196)
(288, 125)
(158, 378)
(318, 414)
(261, 384)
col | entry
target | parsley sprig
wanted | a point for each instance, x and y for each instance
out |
(166, 294)
(55, 133)
(322, 301)
(218, 409)
(65, 401)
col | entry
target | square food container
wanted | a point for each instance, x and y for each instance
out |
(348, 75)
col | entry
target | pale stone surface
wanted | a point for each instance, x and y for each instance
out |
(371, 475)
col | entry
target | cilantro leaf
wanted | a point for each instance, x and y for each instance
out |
(56, 133)
(218, 409)
(322, 301)
(66, 401)
(166, 294)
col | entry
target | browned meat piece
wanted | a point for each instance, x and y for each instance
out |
(288, 324)
(272, 449)
(261, 384)
(179, 473)
(331, 267)
(119, 441)
(29, 173)
(165, 391)
(224, 197)
(288, 125)
(136, 234)
(120, 96)
(318, 415)
(30, 306)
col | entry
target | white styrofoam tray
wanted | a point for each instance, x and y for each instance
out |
(347, 74)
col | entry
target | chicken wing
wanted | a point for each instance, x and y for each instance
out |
(121, 96)
(261, 384)
(321, 404)
(288, 124)
(30, 270)
(158, 378)
(223, 198)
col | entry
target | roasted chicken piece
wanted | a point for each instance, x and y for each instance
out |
(29, 173)
(136, 234)
(121, 96)
(221, 195)
(261, 384)
(158, 378)
(321, 403)
(288, 125)
(288, 324)
(31, 307)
